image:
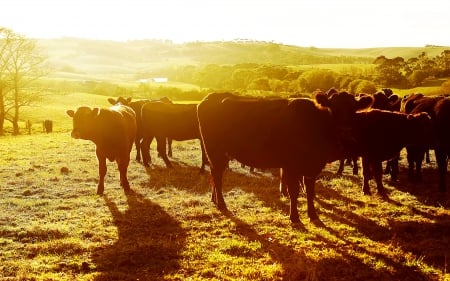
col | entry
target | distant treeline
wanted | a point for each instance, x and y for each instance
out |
(289, 79)
(279, 80)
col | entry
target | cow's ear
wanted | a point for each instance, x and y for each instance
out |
(128, 100)
(364, 102)
(70, 112)
(95, 111)
(322, 99)
(112, 101)
(393, 98)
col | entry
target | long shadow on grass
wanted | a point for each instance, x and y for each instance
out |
(188, 178)
(148, 245)
(298, 266)
(426, 191)
(428, 241)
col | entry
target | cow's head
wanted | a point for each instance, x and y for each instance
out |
(83, 122)
(343, 106)
(423, 129)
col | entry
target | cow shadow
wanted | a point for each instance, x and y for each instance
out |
(345, 263)
(430, 240)
(148, 244)
(264, 186)
(426, 191)
(410, 236)
(298, 264)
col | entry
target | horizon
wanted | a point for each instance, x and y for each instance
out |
(237, 40)
(347, 24)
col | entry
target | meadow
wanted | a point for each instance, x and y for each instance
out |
(54, 227)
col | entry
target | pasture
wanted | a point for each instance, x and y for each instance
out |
(54, 227)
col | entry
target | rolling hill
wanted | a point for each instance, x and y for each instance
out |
(83, 57)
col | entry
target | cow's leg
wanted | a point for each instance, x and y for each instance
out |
(122, 164)
(441, 159)
(293, 187)
(427, 156)
(101, 172)
(419, 160)
(309, 183)
(137, 144)
(161, 147)
(283, 184)
(377, 170)
(218, 166)
(355, 165)
(393, 164)
(388, 168)
(415, 157)
(145, 150)
(204, 157)
(341, 166)
(367, 175)
(169, 147)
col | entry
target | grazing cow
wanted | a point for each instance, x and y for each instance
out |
(112, 130)
(438, 107)
(298, 135)
(175, 121)
(47, 126)
(381, 135)
(137, 106)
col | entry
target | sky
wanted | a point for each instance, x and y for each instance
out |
(307, 23)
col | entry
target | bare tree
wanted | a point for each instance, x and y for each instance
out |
(22, 64)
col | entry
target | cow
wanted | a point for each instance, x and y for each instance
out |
(175, 121)
(299, 136)
(383, 100)
(380, 135)
(137, 106)
(47, 126)
(112, 130)
(438, 107)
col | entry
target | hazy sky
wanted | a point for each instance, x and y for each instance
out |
(319, 23)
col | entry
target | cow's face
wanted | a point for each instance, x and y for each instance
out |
(83, 120)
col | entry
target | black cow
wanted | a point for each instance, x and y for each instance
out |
(384, 100)
(298, 135)
(381, 135)
(438, 107)
(175, 121)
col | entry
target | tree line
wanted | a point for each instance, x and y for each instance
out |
(21, 64)
(257, 78)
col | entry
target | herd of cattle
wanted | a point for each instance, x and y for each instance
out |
(298, 135)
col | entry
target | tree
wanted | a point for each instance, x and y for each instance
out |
(22, 64)
(366, 86)
(314, 79)
(445, 88)
(389, 71)
(417, 77)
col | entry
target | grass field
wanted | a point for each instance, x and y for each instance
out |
(54, 227)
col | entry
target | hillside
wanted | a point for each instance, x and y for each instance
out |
(94, 57)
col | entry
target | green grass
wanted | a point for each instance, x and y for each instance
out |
(54, 227)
